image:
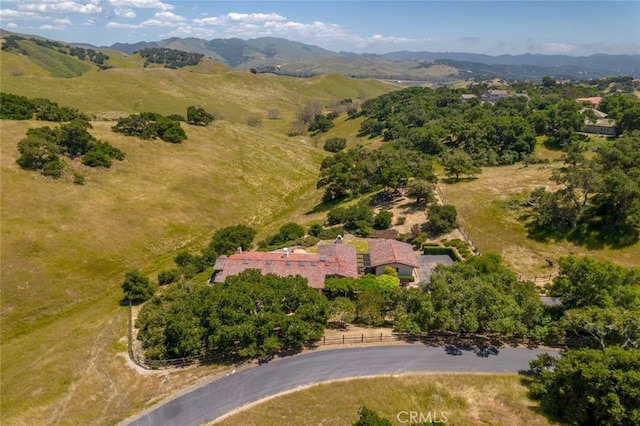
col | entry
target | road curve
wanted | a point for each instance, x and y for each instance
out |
(213, 400)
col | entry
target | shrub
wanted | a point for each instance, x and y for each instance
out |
(169, 276)
(343, 310)
(442, 219)
(95, 157)
(361, 228)
(335, 144)
(331, 233)
(315, 230)
(78, 179)
(53, 168)
(137, 288)
(198, 116)
(254, 121)
(383, 220)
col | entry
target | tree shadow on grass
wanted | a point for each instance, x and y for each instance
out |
(413, 207)
(325, 206)
(527, 377)
(454, 181)
(591, 236)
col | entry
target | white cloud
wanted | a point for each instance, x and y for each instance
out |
(255, 17)
(163, 19)
(52, 27)
(19, 14)
(137, 4)
(377, 38)
(125, 13)
(62, 21)
(239, 18)
(120, 26)
(59, 7)
(11, 25)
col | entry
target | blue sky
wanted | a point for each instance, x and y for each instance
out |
(498, 27)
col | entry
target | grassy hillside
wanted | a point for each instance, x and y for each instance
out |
(487, 208)
(65, 248)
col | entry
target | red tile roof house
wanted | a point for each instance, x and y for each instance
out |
(393, 253)
(332, 260)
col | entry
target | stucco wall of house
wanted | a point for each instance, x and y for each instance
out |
(402, 269)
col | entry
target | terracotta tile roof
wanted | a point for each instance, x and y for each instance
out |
(337, 259)
(595, 100)
(341, 259)
(384, 252)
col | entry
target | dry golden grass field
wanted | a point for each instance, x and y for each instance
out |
(64, 248)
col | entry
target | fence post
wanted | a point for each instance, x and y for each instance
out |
(343, 339)
(381, 337)
(324, 340)
(362, 341)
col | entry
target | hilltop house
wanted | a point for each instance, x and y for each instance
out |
(331, 260)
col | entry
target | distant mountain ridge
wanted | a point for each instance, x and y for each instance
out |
(286, 57)
(240, 53)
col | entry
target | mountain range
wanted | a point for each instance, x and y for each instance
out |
(282, 56)
(290, 56)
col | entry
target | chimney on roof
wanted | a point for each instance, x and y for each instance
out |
(339, 239)
(239, 249)
(286, 252)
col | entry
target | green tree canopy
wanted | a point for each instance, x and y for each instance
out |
(595, 387)
(457, 162)
(249, 315)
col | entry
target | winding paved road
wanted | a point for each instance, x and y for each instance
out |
(213, 400)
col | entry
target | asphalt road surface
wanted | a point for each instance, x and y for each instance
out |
(219, 397)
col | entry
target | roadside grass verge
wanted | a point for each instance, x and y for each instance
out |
(466, 399)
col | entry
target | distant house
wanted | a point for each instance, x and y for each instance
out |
(493, 95)
(594, 100)
(467, 96)
(395, 254)
(334, 260)
(601, 126)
